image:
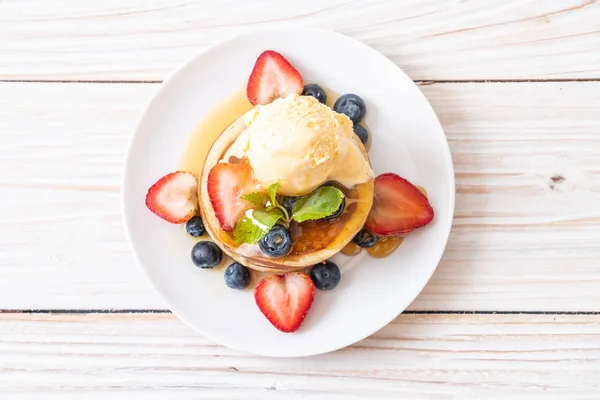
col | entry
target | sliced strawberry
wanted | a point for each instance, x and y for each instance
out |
(285, 299)
(173, 197)
(226, 184)
(273, 76)
(398, 207)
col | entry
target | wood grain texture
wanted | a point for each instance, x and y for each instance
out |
(528, 197)
(525, 236)
(149, 356)
(429, 39)
(61, 162)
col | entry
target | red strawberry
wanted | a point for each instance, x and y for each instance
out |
(398, 207)
(285, 299)
(272, 77)
(226, 184)
(173, 197)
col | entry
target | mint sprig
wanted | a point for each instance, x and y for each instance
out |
(268, 201)
(256, 223)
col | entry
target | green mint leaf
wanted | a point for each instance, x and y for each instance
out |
(254, 225)
(258, 199)
(273, 194)
(319, 204)
(267, 218)
(274, 205)
(246, 231)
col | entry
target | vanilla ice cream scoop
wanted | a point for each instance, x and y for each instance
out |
(301, 144)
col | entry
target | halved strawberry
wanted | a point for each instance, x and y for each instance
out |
(173, 197)
(398, 207)
(272, 76)
(285, 299)
(226, 184)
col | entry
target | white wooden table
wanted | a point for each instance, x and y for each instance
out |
(513, 310)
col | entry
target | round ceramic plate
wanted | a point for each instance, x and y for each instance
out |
(406, 139)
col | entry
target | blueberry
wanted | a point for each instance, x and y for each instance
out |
(237, 276)
(195, 227)
(339, 211)
(206, 254)
(289, 202)
(365, 239)
(325, 275)
(276, 243)
(351, 105)
(361, 132)
(316, 91)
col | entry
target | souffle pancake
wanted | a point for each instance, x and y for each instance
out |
(301, 147)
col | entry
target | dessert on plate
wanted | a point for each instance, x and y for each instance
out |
(287, 185)
(297, 168)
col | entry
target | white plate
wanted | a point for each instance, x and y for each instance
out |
(407, 139)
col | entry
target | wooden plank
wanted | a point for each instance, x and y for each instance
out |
(63, 244)
(528, 191)
(429, 39)
(146, 356)
(520, 240)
